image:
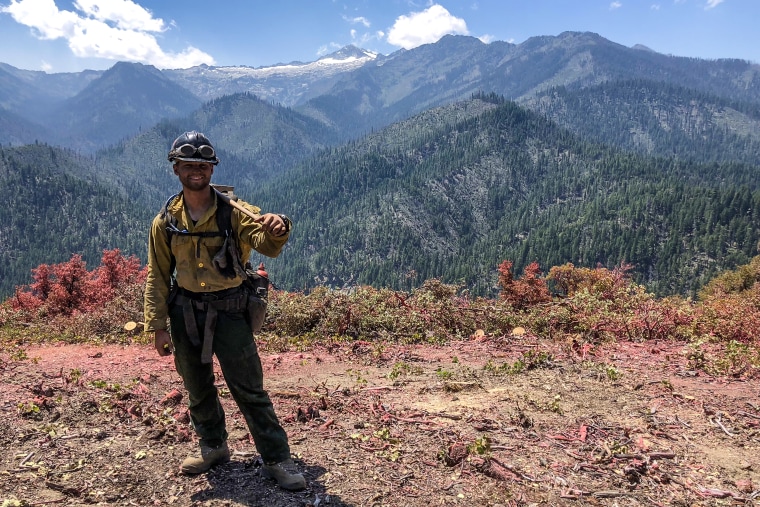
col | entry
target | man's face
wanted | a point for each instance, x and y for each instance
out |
(194, 175)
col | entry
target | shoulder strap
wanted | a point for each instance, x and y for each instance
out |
(171, 229)
(223, 221)
(224, 217)
(223, 224)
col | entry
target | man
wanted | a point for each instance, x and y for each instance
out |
(191, 282)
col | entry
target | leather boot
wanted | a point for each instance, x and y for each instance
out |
(209, 457)
(286, 474)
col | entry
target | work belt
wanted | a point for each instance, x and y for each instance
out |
(234, 300)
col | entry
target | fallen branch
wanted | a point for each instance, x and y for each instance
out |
(374, 449)
(651, 455)
(608, 494)
(720, 424)
(513, 470)
(26, 458)
(717, 493)
(662, 455)
(455, 417)
(747, 414)
(574, 494)
(573, 455)
(408, 420)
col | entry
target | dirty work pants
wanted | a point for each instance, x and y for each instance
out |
(238, 356)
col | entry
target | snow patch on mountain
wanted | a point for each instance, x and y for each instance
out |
(287, 84)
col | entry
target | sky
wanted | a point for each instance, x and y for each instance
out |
(71, 36)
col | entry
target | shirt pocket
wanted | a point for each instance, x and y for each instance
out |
(209, 247)
(183, 250)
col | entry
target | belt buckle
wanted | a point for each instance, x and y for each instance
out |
(208, 296)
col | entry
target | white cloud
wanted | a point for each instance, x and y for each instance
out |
(125, 14)
(615, 5)
(486, 38)
(360, 20)
(111, 29)
(425, 27)
(328, 48)
(365, 38)
(655, 7)
(713, 3)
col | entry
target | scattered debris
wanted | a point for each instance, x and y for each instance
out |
(109, 425)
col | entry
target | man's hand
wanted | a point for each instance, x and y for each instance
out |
(273, 224)
(163, 342)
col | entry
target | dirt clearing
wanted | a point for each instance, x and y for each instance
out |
(481, 422)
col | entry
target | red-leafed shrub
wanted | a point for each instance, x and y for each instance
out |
(525, 292)
(67, 288)
(731, 317)
(606, 305)
(68, 300)
(605, 283)
(114, 273)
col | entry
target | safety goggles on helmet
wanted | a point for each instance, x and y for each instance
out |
(188, 150)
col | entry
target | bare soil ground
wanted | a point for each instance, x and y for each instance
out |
(615, 425)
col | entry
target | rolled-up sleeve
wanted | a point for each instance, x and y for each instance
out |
(253, 235)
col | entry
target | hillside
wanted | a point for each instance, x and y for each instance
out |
(657, 167)
(354, 91)
(455, 67)
(657, 119)
(449, 193)
(457, 190)
(127, 98)
(53, 206)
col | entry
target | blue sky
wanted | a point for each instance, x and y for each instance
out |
(69, 36)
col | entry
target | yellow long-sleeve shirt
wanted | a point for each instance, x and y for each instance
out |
(193, 254)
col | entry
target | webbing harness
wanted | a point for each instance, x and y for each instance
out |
(235, 302)
(227, 262)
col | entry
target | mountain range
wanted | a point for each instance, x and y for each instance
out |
(439, 161)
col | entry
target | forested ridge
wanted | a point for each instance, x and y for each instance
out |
(452, 201)
(660, 119)
(447, 194)
(53, 206)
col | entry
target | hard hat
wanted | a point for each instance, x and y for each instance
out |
(193, 147)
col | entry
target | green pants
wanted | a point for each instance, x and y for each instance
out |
(238, 356)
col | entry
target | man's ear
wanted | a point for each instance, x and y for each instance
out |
(174, 167)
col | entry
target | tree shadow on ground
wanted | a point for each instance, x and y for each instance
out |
(241, 482)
